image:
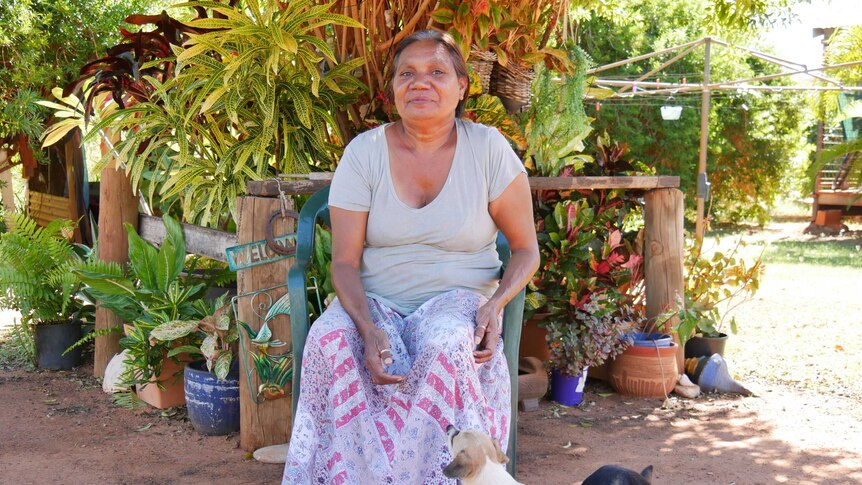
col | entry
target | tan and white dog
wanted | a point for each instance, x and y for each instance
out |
(477, 459)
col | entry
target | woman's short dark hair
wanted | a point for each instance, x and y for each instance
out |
(444, 39)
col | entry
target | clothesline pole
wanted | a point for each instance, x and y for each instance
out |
(704, 140)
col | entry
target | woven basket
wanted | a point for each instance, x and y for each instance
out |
(482, 63)
(513, 82)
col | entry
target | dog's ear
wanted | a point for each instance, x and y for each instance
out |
(501, 457)
(647, 473)
(460, 467)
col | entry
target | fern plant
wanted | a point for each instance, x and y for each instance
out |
(250, 99)
(35, 265)
(556, 124)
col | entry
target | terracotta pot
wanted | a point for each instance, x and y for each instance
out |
(602, 372)
(645, 371)
(532, 383)
(173, 394)
(534, 339)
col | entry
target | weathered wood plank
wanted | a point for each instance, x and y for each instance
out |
(38, 211)
(844, 198)
(591, 183)
(43, 219)
(267, 423)
(269, 188)
(199, 240)
(45, 208)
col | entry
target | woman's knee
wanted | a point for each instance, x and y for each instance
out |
(333, 321)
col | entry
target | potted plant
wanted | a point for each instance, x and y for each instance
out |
(714, 286)
(587, 273)
(587, 240)
(522, 41)
(647, 367)
(211, 384)
(554, 129)
(556, 125)
(580, 337)
(35, 279)
(152, 292)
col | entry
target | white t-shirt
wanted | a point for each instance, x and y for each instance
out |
(412, 255)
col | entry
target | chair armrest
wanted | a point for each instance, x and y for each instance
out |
(299, 323)
(313, 209)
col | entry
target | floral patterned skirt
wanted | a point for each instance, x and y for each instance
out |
(348, 430)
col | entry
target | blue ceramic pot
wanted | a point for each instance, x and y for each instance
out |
(212, 405)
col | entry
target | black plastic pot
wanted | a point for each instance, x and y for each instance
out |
(705, 346)
(52, 339)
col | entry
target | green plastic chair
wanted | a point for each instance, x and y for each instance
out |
(315, 210)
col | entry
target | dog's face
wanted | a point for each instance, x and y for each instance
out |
(470, 450)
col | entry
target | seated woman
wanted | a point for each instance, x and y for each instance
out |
(412, 342)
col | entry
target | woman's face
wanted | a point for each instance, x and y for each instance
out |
(425, 84)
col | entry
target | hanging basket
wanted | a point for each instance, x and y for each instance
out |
(513, 85)
(482, 63)
(671, 113)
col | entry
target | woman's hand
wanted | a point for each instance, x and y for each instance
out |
(378, 353)
(487, 332)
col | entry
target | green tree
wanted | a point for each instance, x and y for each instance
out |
(752, 137)
(43, 43)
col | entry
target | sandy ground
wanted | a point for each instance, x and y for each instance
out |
(803, 426)
(59, 427)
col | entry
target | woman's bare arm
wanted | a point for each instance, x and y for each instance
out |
(513, 214)
(348, 240)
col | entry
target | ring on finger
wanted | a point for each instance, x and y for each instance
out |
(383, 350)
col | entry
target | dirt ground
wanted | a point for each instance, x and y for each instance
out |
(803, 426)
(59, 427)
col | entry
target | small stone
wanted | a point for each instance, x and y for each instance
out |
(272, 454)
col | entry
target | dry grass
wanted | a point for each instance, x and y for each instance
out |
(804, 326)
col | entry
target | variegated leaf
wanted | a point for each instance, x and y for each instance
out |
(223, 322)
(174, 329)
(208, 346)
(222, 365)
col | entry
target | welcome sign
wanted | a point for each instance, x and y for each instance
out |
(257, 253)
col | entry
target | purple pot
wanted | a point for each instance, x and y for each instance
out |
(568, 390)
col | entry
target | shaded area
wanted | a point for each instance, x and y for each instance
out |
(60, 424)
(777, 438)
(59, 427)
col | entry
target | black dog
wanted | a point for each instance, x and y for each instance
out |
(617, 475)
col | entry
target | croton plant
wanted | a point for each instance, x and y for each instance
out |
(590, 281)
